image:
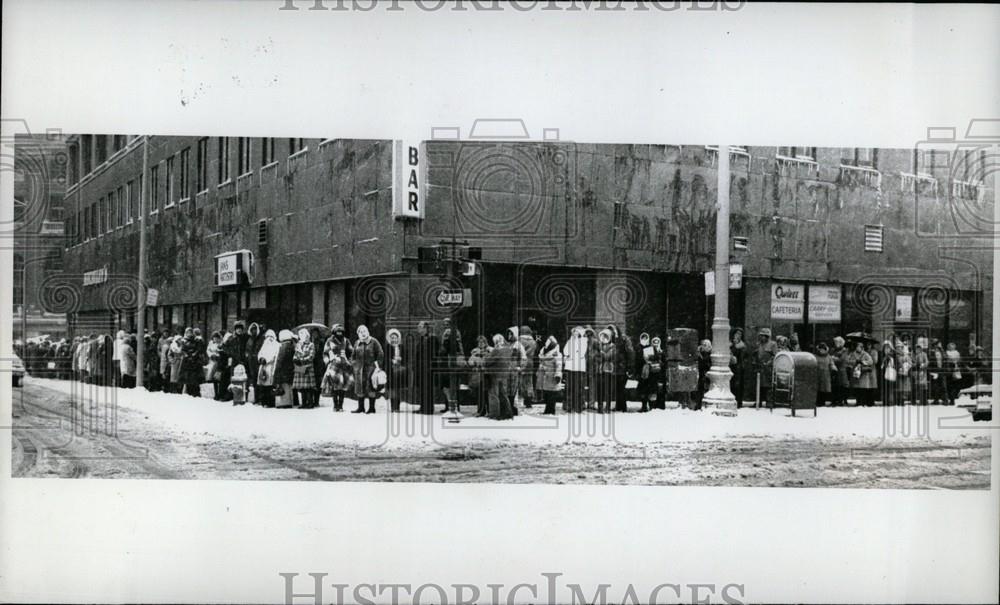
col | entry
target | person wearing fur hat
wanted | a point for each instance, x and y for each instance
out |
(304, 382)
(238, 384)
(284, 369)
(337, 354)
(267, 358)
(396, 372)
(367, 357)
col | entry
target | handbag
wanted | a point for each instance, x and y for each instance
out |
(262, 375)
(378, 378)
(890, 374)
(857, 371)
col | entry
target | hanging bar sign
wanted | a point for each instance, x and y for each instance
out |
(408, 179)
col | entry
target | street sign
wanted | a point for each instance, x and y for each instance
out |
(735, 279)
(450, 298)
(152, 296)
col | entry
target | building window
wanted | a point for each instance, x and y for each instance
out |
(266, 151)
(92, 224)
(223, 160)
(118, 142)
(85, 154)
(133, 207)
(154, 189)
(109, 212)
(121, 196)
(102, 213)
(201, 166)
(101, 147)
(243, 155)
(184, 185)
(873, 238)
(296, 145)
(73, 167)
(168, 177)
(866, 156)
(798, 153)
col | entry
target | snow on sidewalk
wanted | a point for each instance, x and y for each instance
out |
(206, 419)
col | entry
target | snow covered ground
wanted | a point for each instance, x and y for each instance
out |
(204, 419)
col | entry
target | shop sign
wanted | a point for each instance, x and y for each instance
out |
(735, 279)
(408, 179)
(229, 266)
(787, 301)
(904, 307)
(824, 303)
(152, 297)
(97, 276)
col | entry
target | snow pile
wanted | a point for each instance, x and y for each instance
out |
(206, 419)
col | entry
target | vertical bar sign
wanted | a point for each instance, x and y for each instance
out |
(408, 191)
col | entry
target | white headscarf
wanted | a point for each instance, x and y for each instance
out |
(269, 348)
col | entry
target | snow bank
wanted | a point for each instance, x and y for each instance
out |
(206, 419)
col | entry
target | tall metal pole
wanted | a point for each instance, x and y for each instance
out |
(719, 397)
(140, 344)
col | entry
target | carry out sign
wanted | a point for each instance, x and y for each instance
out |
(788, 301)
(408, 174)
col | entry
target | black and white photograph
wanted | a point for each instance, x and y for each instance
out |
(456, 301)
(492, 307)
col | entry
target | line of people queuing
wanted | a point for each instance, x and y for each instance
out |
(594, 369)
(897, 371)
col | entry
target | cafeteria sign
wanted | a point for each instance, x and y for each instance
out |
(787, 301)
(824, 303)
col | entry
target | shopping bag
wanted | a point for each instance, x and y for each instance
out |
(890, 374)
(378, 378)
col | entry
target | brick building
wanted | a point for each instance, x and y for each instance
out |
(38, 237)
(829, 240)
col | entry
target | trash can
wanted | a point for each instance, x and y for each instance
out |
(794, 381)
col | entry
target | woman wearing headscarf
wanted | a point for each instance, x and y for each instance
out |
(163, 346)
(904, 378)
(920, 382)
(549, 373)
(496, 374)
(477, 380)
(191, 366)
(337, 354)
(526, 373)
(367, 357)
(575, 359)
(176, 355)
(606, 381)
(424, 347)
(284, 369)
(953, 372)
(213, 373)
(651, 372)
(396, 372)
(127, 362)
(267, 358)
(304, 380)
(861, 368)
(825, 370)
(737, 363)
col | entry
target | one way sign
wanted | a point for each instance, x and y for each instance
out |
(450, 298)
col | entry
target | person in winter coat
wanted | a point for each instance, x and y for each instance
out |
(127, 363)
(889, 370)
(477, 378)
(841, 378)
(575, 359)
(526, 373)
(704, 365)
(367, 358)
(453, 356)
(593, 368)
(267, 358)
(763, 362)
(624, 366)
(304, 381)
(862, 372)
(151, 359)
(396, 371)
(114, 377)
(192, 369)
(99, 366)
(921, 383)
(176, 357)
(652, 371)
(606, 382)
(904, 373)
(825, 370)
(213, 373)
(339, 375)
(498, 360)
(953, 372)
(319, 366)
(255, 338)
(423, 347)
(284, 369)
(737, 364)
(550, 369)
(163, 347)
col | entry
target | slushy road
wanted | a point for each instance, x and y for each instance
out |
(63, 432)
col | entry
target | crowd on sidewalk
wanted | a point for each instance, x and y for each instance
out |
(594, 370)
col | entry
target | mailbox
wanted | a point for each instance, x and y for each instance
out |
(795, 381)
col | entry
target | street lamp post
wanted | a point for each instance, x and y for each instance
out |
(719, 397)
(140, 344)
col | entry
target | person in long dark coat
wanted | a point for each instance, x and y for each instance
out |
(191, 364)
(624, 366)
(497, 373)
(841, 377)
(318, 366)
(477, 380)
(652, 370)
(337, 354)
(255, 338)
(423, 348)
(737, 364)
(367, 357)
(284, 368)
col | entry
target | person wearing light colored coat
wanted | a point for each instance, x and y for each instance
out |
(267, 358)
(550, 369)
(575, 353)
(367, 358)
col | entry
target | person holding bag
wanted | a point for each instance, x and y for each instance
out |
(862, 368)
(367, 359)
(267, 358)
(889, 376)
(397, 377)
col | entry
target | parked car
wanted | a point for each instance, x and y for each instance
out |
(17, 371)
(980, 406)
